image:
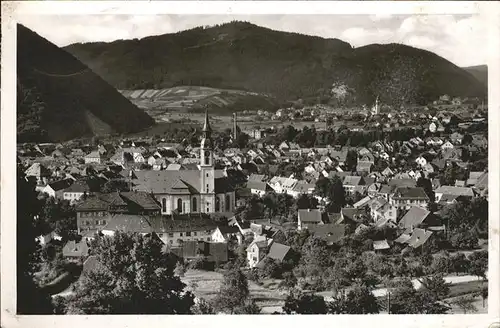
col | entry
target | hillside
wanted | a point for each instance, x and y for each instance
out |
(288, 66)
(480, 72)
(59, 98)
(197, 99)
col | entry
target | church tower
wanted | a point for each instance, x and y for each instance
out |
(207, 170)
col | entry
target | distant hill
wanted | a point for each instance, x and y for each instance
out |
(288, 66)
(198, 99)
(59, 98)
(480, 72)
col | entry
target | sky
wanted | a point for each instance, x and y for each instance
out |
(460, 39)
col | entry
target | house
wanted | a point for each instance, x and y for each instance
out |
(93, 213)
(76, 191)
(278, 252)
(453, 190)
(223, 234)
(418, 217)
(456, 138)
(56, 189)
(418, 237)
(257, 250)
(406, 197)
(38, 171)
(74, 249)
(211, 252)
(447, 145)
(473, 178)
(421, 160)
(48, 237)
(351, 182)
(381, 245)
(330, 232)
(94, 157)
(308, 217)
(350, 216)
(364, 166)
(381, 209)
(259, 188)
(174, 230)
(387, 172)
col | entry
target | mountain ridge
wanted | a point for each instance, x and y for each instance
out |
(60, 98)
(289, 66)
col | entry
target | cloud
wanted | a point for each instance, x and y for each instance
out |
(358, 36)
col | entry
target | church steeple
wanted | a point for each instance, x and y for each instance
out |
(206, 126)
(206, 145)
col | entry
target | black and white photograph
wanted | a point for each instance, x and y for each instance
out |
(239, 163)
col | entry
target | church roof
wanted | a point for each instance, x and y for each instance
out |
(177, 182)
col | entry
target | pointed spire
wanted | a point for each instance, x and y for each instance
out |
(206, 126)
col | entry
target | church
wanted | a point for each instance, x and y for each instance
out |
(205, 190)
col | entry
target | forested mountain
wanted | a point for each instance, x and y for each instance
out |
(59, 98)
(480, 72)
(288, 66)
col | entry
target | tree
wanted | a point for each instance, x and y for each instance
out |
(465, 303)
(31, 299)
(478, 264)
(406, 300)
(336, 196)
(132, 276)
(58, 216)
(306, 201)
(359, 300)
(249, 307)
(436, 286)
(322, 187)
(426, 184)
(298, 302)
(115, 185)
(201, 306)
(351, 160)
(233, 291)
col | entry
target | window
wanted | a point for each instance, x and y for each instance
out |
(208, 239)
(228, 203)
(207, 175)
(188, 234)
(207, 157)
(194, 205)
(180, 234)
(194, 233)
(207, 188)
(164, 205)
(179, 205)
(96, 222)
(171, 241)
(217, 204)
(171, 235)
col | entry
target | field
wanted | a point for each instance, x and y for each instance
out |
(208, 283)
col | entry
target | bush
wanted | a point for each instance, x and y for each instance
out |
(464, 240)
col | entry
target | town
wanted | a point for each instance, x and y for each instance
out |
(376, 211)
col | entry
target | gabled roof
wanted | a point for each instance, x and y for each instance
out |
(37, 170)
(414, 217)
(61, 184)
(163, 224)
(331, 232)
(128, 223)
(411, 193)
(419, 237)
(74, 249)
(278, 251)
(380, 245)
(453, 190)
(309, 216)
(402, 182)
(351, 180)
